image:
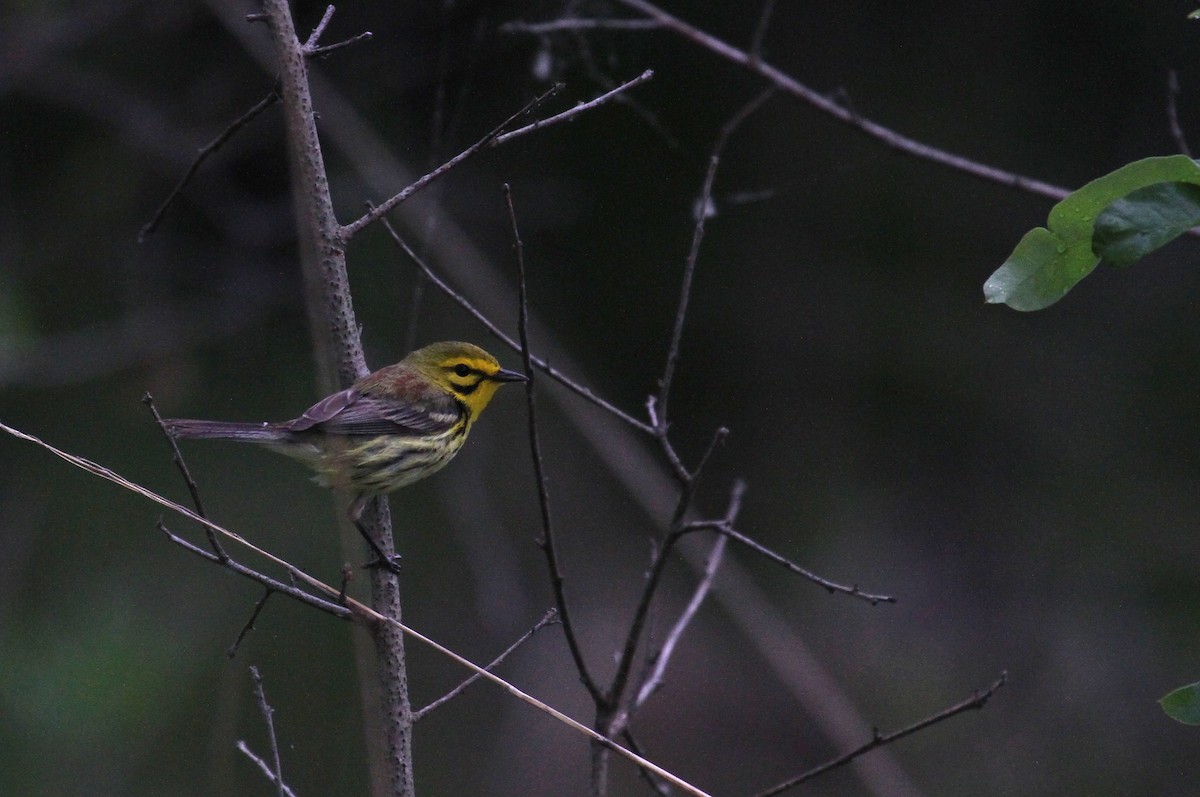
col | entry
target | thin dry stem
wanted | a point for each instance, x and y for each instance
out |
(208, 149)
(573, 112)
(263, 766)
(379, 211)
(185, 472)
(249, 626)
(546, 542)
(268, 715)
(577, 24)
(791, 86)
(337, 609)
(660, 660)
(725, 528)
(976, 701)
(547, 618)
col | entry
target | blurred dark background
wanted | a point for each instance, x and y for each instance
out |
(1026, 485)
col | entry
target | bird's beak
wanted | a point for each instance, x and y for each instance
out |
(505, 375)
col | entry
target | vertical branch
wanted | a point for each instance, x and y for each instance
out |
(613, 717)
(546, 541)
(321, 248)
(268, 715)
(689, 266)
(338, 352)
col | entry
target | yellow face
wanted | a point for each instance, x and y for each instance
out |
(466, 370)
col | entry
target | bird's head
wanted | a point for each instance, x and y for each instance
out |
(464, 369)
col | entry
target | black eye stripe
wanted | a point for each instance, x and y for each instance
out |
(462, 371)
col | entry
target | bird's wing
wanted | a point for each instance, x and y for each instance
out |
(323, 410)
(352, 412)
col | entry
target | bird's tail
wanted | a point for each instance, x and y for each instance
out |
(186, 429)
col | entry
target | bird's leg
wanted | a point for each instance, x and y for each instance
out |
(390, 561)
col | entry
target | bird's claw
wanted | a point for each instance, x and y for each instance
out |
(390, 563)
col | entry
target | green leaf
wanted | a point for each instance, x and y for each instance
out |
(1051, 260)
(1183, 704)
(1134, 226)
(1039, 271)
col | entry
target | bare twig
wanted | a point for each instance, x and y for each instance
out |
(977, 700)
(208, 149)
(573, 112)
(311, 42)
(324, 50)
(1173, 113)
(268, 715)
(262, 765)
(515, 345)
(546, 541)
(313, 50)
(379, 211)
(885, 135)
(577, 24)
(272, 585)
(177, 457)
(722, 527)
(249, 626)
(549, 617)
(494, 138)
(594, 70)
(760, 30)
(689, 268)
(656, 408)
(660, 660)
(310, 50)
(598, 738)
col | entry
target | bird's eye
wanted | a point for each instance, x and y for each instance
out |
(462, 369)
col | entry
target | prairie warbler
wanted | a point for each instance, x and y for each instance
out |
(387, 430)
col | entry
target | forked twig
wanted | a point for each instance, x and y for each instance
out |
(292, 591)
(790, 85)
(181, 464)
(377, 212)
(275, 772)
(573, 112)
(495, 137)
(656, 408)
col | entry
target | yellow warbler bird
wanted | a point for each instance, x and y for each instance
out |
(389, 429)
